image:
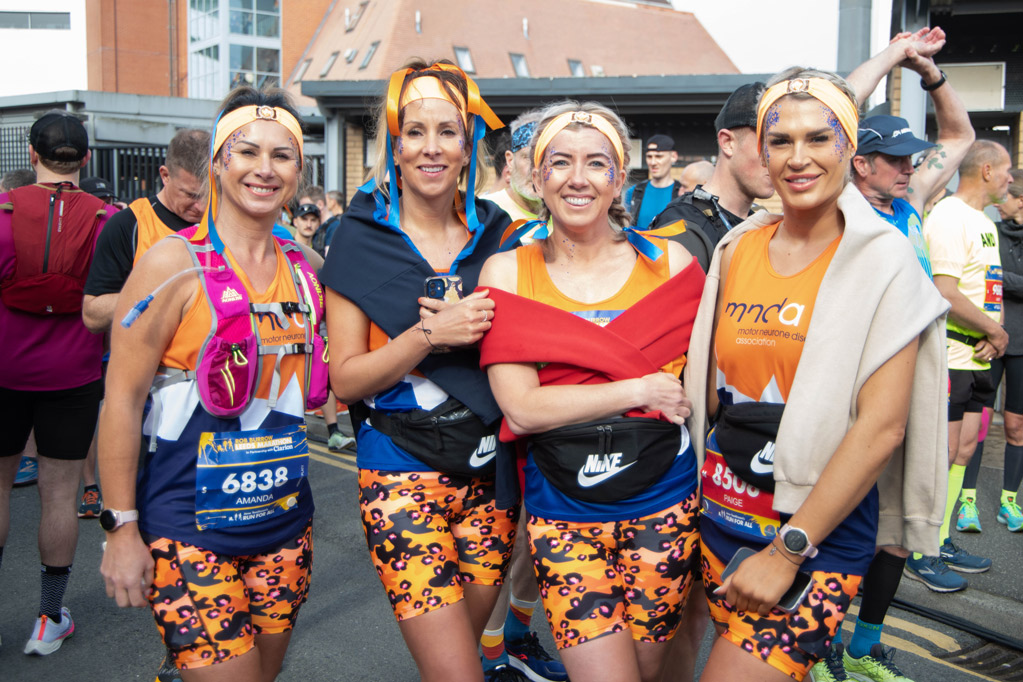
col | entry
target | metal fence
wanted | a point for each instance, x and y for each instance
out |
(13, 148)
(133, 170)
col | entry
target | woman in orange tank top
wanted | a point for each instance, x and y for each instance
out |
(781, 327)
(613, 544)
(219, 496)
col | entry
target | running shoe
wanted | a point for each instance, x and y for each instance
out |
(91, 505)
(503, 673)
(968, 520)
(28, 471)
(958, 559)
(167, 672)
(1010, 514)
(529, 657)
(829, 668)
(339, 441)
(932, 572)
(47, 636)
(877, 666)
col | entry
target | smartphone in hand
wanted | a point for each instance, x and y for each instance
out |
(793, 596)
(443, 287)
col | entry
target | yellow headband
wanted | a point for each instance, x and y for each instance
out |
(429, 87)
(233, 120)
(564, 120)
(819, 88)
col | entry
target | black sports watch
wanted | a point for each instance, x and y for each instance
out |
(111, 519)
(795, 541)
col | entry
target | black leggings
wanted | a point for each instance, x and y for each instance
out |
(1012, 366)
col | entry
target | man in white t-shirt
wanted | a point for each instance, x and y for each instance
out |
(963, 244)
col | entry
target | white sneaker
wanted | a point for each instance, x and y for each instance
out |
(47, 636)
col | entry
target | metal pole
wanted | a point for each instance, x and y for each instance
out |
(853, 34)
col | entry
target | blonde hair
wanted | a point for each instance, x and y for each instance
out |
(451, 81)
(616, 213)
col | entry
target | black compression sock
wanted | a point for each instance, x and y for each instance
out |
(973, 468)
(1013, 474)
(331, 428)
(94, 486)
(879, 586)
(54, 583)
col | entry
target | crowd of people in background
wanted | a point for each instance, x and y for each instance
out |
(507, 351)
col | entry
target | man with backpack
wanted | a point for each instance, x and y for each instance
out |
(50, 380)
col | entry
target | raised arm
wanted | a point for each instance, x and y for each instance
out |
(864, 79)
(955, 134)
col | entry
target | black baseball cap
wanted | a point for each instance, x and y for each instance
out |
(660, 143)
(740, 109)
(97, 187)
(306, 209)
(56, 129)
(889, 135)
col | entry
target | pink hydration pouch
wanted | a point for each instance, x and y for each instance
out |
(317, 379)
(227, 369)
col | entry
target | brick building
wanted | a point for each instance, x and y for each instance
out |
(646, 59)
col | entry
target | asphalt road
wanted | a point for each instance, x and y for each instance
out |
(346, 630)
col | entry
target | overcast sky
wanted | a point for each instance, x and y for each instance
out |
(766, 37)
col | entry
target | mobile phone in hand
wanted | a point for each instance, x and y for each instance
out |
(443, 287)
(793, 596)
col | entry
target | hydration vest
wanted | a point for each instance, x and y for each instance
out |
(230, 360)
(54, 229)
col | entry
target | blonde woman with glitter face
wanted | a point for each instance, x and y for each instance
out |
(829, 289)
(585, 353)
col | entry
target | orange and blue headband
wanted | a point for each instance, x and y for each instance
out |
(819, 88)
(399, 96)
(566, 119)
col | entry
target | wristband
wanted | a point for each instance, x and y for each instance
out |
(427, 332)
(776, 550)
(937, 84)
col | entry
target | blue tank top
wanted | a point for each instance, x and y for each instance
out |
(907, 220)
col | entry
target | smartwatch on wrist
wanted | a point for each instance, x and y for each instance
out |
(936, 84)
(111, 519)
(795, 541)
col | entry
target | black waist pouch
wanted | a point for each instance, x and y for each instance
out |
(450, 438)
(746, 433)
(607, 460)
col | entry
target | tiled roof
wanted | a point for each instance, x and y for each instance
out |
(606, 37)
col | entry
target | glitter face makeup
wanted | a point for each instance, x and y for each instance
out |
(770, 121)
(231, 142)
(836, 128)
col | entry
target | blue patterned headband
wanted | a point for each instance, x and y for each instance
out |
(522, 136)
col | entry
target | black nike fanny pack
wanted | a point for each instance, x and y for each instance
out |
(450, 438)
(607, 460)
(746, 432)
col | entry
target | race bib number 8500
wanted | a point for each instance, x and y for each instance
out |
(245, 477)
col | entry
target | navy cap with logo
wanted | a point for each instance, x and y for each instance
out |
(306, 209)
(57, 129)
(660, 143)
(740, 109)
(889, 135)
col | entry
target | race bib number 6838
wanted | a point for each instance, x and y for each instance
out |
(245, 477)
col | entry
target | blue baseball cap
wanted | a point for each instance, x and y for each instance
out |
(889, 135)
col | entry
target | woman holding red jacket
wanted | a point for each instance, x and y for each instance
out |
(584, 359)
